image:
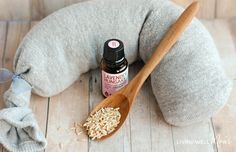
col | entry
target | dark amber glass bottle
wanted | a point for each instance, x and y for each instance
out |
(114, 67)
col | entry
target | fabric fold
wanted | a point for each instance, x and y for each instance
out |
(19, 129)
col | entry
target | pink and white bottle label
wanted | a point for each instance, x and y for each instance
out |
(113, 82)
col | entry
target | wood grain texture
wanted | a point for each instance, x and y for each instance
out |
(207, 7)
(225, 8)
(232, 25)
(31, 9)
(224, 121)
(53, 5)
(16, 32)
(149, 132)
(38, 9)
(64, 110)
(194, 138)
(140, 128)
(161, 132)
(3, 32)
(15, 9)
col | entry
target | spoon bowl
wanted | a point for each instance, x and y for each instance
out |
(117, 100)
(125, 97)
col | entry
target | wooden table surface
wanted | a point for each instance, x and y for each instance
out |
(145, 129)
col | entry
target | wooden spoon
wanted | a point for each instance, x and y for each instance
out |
(125, 97)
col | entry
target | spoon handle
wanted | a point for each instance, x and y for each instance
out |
(164, 46)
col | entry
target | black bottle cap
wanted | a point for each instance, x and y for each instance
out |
(113, 51)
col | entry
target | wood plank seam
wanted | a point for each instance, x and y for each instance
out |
(89, 103)
(5, 45)
(46, 128)
(46, 131)
(150, 117)
(31, 10)
(39, 11)
(215, 11)
(148, 81)
(173, 142)
(131, 146)
(215, 147)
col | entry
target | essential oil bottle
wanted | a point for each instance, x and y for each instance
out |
(114, 67)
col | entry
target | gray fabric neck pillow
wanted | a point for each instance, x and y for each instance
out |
(189, 84)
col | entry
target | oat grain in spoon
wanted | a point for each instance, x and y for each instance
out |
(102, 123)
